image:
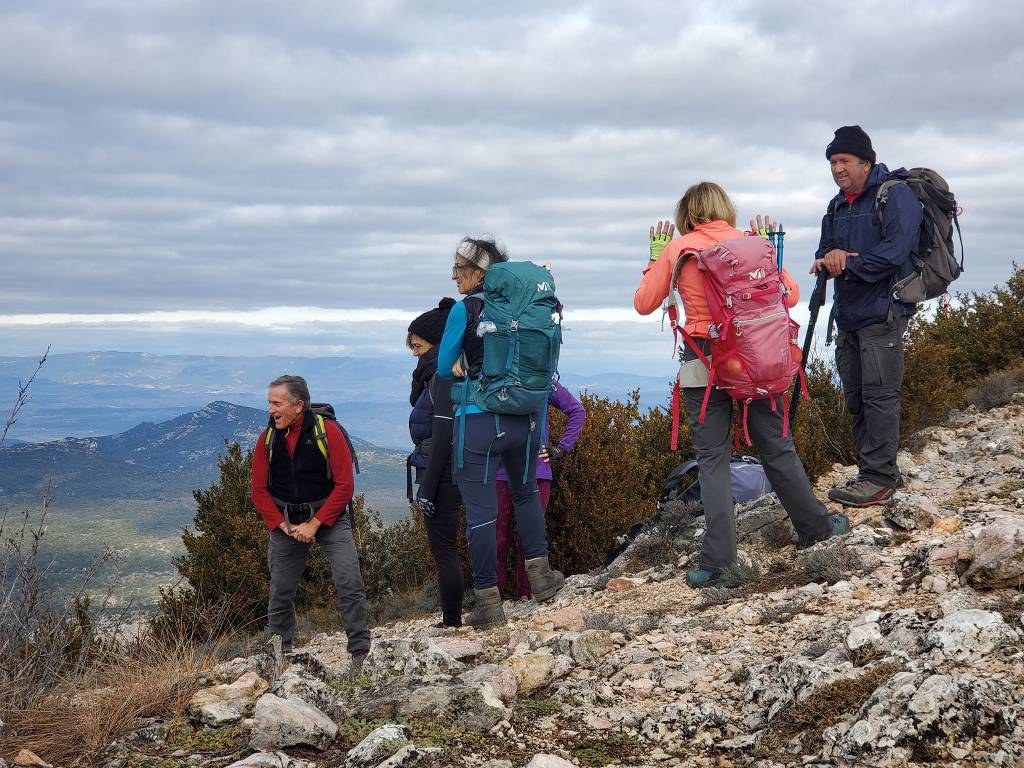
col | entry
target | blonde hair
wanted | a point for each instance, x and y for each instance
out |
(702, 203)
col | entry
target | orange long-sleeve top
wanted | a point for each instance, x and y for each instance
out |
(654, 286)
(341, 470)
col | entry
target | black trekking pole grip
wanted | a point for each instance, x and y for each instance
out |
(814, 307)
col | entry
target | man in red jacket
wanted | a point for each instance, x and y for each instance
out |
(302, 500)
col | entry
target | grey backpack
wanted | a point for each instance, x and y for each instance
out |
(935, 265)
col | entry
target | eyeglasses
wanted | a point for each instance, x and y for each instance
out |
(458, 269)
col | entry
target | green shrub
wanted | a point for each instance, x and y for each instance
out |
(609, 481)
(996, 389)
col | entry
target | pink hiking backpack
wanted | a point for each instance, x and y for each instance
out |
(754, 347)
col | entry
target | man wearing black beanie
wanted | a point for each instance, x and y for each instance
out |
(867, 247)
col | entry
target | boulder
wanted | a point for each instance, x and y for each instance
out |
(970, 634)
(380, 744)
(474, 707)
(997, 557)
(279, 723)
(296, 683)
(960, 711)
(227, 703)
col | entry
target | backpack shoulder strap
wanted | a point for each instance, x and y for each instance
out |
(320, 435)
(882, 196)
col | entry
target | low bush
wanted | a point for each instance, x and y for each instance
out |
(996, 389)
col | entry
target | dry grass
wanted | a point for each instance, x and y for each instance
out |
(75, 723)
(826, 706)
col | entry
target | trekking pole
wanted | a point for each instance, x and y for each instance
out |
(817, 300)
(779, 236)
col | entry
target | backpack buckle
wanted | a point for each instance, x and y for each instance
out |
(514, 325)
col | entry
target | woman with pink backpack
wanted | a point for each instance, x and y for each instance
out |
(706, 217)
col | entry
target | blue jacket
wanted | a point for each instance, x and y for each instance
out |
(863, 293)
(460, 338)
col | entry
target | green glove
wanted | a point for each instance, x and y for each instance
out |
(658, 243)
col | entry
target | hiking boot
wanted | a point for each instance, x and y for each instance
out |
(545, 581)
(355, 666)
(698, 578)
(487, 611)
(862, 493)
(840, 527)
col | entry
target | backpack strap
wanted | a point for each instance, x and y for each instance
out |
(882, 197)
(320, 436)
(268, 444)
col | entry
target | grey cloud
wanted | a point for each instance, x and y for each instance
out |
(235, 154)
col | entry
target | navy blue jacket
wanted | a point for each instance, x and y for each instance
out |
(863, 292)
(421, 419)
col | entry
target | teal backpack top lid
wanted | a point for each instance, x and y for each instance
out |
(522, 334)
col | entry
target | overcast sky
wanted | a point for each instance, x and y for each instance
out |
(258, 177)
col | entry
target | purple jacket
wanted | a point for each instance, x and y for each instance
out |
(562, 399)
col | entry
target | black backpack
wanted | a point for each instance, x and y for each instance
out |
(935, 265)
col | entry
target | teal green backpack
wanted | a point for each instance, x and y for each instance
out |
(523, 334)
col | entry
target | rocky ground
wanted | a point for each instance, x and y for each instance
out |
(898, 644)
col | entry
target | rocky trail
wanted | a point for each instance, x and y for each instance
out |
(900, 643)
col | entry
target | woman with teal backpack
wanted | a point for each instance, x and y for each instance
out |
(483, 439)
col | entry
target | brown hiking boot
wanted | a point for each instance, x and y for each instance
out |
(862, 493)
(545, 581)
(487, 611)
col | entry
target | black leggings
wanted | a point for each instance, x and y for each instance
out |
(442, 533)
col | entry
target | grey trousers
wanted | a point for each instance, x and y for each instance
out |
(286, 559)
(870, 363)
(786, 473)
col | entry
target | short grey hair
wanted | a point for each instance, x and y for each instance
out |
(296, 387)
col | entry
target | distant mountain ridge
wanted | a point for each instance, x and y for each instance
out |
(163, 460)
(102, 393)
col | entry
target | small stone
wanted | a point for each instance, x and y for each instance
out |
(570, 619)
(947, 523)
(750, 616)
(26, 758)
(812, 590)
(290, 722)
(590, 647)
(229, 703)
(911, 511)
(533, 671)
(621, 584)
(265, 760)
(380, 744)
(548, 761)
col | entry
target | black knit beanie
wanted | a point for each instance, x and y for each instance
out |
(430, 325)
(851, 140)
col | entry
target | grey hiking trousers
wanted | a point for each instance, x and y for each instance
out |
(870, 363)
(713, 446)
(286, 559)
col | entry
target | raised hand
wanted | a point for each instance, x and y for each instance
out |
(661, 235)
